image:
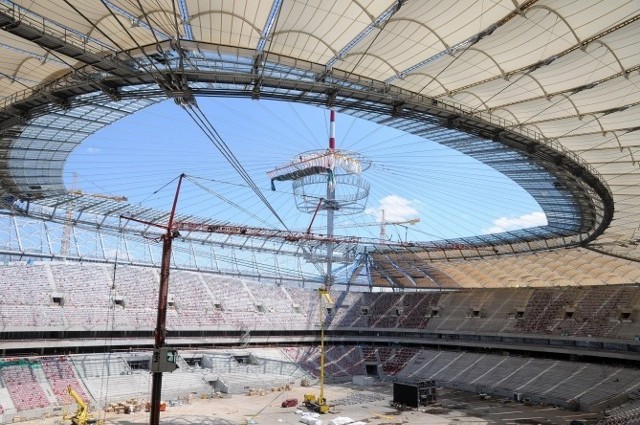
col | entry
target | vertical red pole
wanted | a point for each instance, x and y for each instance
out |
(330, 204)
(332, 130)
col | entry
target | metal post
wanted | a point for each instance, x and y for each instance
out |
(321, 401)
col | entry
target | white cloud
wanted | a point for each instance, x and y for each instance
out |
(396, 208)
(94, 150)
(504, 224)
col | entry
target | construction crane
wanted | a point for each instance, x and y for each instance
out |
(319, 404)
(172, 230)
(228, 229)
(117, 198)
(82, 416)
(65, 243)
(383, 225)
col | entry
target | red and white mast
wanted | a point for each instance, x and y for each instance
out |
(332, 129)
(330, 203)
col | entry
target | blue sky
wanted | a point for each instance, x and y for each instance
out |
(141, 156)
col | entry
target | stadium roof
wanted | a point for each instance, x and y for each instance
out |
(547, 92)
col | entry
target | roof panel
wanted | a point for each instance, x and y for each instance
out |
(578, 68)
(624, 43)
(156, 14)
(628, 138)
(527, 39)
(542, 109)
(592, 17)
(422, 82)
(531, 67)
(228, 23)
(615, 178)
(121, 32)
(471, 100)
(79, 16)
(565, 127)
(580, 143)
(597, 157)
(317, 30)
(452, 72)
(623, 119)
(421, 31)
(614, 93)
(500, 92)
(388, 44)
(470, 18)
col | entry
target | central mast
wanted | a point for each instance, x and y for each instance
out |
(330, 206)
(330, 203)
(315, 176)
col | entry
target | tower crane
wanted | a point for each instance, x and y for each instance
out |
(65, 243)
(117, 198)
(383, 225)
(172, 230)
(316, 403)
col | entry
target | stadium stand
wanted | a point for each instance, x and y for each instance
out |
(628, 414)
(397, 330)
(222, 303)
(22, 379)
(541, 380)
(347, 310)
(541, 269)
(60, 375)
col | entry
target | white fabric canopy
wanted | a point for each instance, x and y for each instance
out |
(567, 70)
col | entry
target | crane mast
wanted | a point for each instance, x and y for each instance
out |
(164, 358)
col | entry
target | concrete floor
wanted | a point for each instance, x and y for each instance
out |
(372, 406)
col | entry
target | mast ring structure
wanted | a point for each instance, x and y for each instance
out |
(311, 171)
(351, 193)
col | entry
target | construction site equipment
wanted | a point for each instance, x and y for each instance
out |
(316, 404)
(82, 416)
(164, 359)
(290, 402)
(319, 404)
(127, 407)
(414, 393)
(161, 407)
(329, 163)
(384, 223)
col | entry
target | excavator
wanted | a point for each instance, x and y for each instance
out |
(319, 404)
(82, 416)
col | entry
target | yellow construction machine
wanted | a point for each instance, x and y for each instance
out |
(82, 416)
(319, 404)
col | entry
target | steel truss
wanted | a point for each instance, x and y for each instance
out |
(577, 202)
(43, 239)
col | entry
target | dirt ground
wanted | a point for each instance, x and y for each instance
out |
(370, 405)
